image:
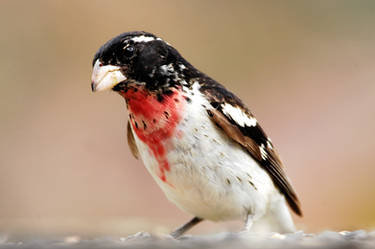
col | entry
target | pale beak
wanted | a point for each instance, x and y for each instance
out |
(105, 77)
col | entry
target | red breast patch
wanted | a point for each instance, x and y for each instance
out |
(154, 119)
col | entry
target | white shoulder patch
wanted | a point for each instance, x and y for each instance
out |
(238, 115)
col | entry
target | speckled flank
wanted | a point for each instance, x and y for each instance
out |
(206, 180)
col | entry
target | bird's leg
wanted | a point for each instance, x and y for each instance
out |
(248, 222)
(181, 230)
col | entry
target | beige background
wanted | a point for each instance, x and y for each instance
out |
(305, 68)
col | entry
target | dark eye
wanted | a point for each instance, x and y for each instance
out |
(129, 51)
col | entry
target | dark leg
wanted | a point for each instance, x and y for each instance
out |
(181, 230)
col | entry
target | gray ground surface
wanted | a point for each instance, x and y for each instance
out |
(327, 239)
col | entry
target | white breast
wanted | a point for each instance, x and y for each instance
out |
(210, 175)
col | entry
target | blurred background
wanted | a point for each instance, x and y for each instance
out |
(305, 68)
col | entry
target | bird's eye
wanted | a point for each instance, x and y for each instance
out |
(129, 51)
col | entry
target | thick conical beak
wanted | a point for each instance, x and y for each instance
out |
(105, 77)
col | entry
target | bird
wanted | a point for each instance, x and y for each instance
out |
(201, 144)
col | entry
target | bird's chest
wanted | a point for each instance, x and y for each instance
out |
(175, 138)
(154, 119)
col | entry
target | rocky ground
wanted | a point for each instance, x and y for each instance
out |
(327, 239)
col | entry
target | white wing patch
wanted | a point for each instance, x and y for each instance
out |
(263, 152)
(238, 115)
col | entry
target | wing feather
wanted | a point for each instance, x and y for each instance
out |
(131, 142)
(229, 113)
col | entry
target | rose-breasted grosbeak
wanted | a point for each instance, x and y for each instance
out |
(198, 141)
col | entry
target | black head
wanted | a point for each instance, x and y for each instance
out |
(140, 58)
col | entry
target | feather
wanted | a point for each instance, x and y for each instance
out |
(131, 142)
(229, 113)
